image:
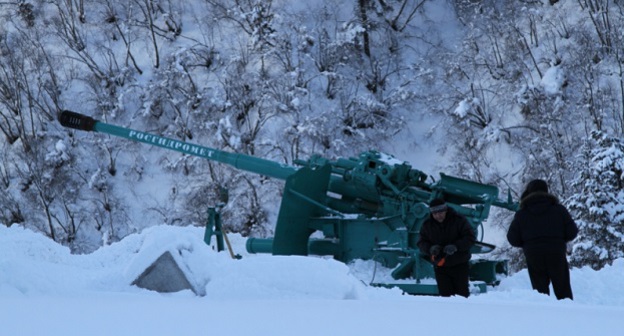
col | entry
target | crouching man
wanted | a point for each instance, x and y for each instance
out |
(446, 237)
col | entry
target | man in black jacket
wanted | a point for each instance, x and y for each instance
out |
(446, 238)
(542, 227)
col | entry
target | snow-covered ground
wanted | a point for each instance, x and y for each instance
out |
(44, 290)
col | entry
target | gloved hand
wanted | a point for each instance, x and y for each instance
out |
(435, 250)
(450, 249)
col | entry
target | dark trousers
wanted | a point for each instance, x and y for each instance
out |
(546, 268)
(453, 280)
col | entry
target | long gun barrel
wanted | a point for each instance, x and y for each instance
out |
(239, 161)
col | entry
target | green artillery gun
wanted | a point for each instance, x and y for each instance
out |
(370, 207)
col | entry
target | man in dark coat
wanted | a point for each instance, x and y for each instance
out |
(542, 227)
(446, 238)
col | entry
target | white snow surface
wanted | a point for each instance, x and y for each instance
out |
(45, 290)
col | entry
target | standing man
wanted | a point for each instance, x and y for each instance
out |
(542, 227)
(446, 237)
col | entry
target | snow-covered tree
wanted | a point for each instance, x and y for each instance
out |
(598, 207)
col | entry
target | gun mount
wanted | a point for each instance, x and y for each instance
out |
(370, 207)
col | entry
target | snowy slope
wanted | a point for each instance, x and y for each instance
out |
(45, 290)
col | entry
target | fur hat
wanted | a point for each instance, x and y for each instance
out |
(535, 186)
(437, 205)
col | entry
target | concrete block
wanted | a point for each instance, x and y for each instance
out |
(164, 276)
